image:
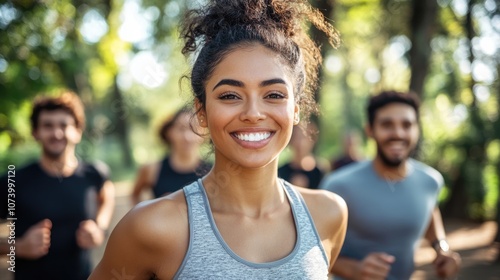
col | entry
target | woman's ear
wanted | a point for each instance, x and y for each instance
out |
(201, 114)
(296, 115)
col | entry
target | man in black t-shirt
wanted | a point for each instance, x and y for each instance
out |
(60, 206)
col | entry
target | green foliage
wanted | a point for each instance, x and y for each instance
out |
(45, 48)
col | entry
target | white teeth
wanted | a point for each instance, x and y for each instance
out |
(253, 137)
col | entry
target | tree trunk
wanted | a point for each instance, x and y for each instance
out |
(326, 7)
(121, 112)
(422, 30)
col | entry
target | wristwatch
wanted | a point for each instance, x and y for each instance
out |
(441, 245)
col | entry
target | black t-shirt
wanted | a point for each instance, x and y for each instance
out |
(66, 201)
(170, 180)
(314, 176)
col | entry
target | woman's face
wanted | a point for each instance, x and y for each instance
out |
(182, 136)
(250, 108)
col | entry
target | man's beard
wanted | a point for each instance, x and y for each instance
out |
(52, 154)
(392, 162)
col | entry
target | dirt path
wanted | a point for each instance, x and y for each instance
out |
(472, 241)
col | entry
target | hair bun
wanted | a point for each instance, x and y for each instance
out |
(203, 24)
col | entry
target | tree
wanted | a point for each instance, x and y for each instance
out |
(422, 30)
(45, 50)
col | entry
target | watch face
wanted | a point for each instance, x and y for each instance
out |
(444, 245)
(441, 245)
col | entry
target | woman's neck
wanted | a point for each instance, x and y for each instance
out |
(248, 191)
(184, 161)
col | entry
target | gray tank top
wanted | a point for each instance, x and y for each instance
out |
(209, 257)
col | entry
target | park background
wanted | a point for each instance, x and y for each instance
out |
(123, 58)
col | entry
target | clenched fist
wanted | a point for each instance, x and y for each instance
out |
(35, 242)
(89, 235)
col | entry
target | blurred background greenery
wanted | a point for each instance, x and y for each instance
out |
(123, 58)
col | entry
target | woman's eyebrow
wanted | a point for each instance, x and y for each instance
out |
(229, 82)
(237, 83)
(272, 82)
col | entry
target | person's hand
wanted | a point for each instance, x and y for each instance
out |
(447, 264)
(89, 235)
(35, 242)
(375, 266)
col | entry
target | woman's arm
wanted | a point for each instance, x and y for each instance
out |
(145, 180)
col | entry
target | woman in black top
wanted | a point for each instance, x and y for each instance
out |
(181, 166)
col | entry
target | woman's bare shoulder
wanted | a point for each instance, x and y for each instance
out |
(151, 239)
(158, 226)
(326, 208)
(158, 216)
(324, 198)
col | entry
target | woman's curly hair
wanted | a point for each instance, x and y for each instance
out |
(220, 26)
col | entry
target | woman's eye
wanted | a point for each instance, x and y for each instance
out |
(228, 96)
(275, 95)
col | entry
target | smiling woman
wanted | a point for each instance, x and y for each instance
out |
(255, 107)
(252, 82)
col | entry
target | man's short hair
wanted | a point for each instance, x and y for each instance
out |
(388, 97)
(67, 101)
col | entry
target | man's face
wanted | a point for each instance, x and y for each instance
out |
(395, 130)
(57, 132)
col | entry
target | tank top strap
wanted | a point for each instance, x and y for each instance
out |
(293, 195)
(192, 189)
(304, 221)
